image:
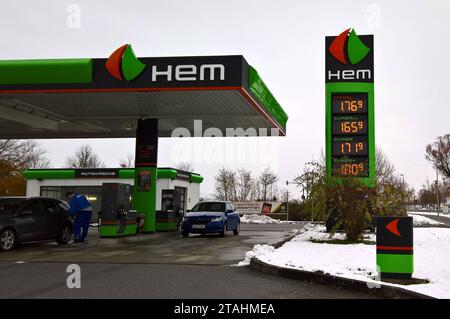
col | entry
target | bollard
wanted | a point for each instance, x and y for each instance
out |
(395, 257)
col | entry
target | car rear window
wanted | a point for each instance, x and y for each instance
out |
(8, 205)
(209, 207)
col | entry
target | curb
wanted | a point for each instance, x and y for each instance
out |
(338, 282)
(284, 241)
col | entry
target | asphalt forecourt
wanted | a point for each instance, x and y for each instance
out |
(159, 248)
(162, 265)
(159, 281)
(313, 255)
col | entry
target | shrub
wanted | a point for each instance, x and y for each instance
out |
(347, 204)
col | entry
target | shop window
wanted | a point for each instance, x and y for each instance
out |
(167, 196)
(93, 194)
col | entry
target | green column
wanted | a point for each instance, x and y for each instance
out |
(146, 171)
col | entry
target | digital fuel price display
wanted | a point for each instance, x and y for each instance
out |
(345, 166)
(349, 125)
(350, 146)
(349, 103)
(349, 134)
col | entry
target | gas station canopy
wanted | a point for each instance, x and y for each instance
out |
(87, 98)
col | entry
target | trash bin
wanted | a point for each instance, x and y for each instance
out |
(395, 257)
(166, 220)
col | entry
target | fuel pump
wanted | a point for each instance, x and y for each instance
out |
(117, 217)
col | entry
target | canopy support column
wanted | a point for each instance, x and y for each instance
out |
(146, 158)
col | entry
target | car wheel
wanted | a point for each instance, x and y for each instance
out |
(8, 239)
(222, 233)
(185, 234)
(65, 235)
(236, 231)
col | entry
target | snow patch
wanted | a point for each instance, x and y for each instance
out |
(257, 251)
(262, 219)
(424, 221)
(429, 214)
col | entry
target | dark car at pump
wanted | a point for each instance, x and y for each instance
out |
(209, 217)
(33, 219)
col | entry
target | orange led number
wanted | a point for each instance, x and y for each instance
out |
(352, 169)
(347, 147)
(351, 106)
(352, 127)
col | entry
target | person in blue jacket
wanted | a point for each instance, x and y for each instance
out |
(81, 210)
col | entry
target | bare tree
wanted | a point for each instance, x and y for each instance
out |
(244, 185)
(255, 193)
(225, 184)
(185, 166)
(127, 162)
(384, 170)
(427, 193)
(84, 157)
(267, 179)
(312, 178)
(439, 154)
(23, 154)
(239, 185)
(273, 193)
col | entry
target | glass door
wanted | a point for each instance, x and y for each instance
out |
(180, 199)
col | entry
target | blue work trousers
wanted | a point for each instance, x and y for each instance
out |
(81, 225)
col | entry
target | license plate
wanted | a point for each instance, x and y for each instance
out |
(197, 226)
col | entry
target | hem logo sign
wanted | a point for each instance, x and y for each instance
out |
(125, 66)
(349, 50)
(356, 49)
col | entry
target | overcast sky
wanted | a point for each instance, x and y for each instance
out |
(284, 41)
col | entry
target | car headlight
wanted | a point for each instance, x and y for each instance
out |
(217, 219)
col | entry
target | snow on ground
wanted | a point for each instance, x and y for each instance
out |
(262, 219)
(429, 214)
(424, 221)
(358, 261)
(257, 251)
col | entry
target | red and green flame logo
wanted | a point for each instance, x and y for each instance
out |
(356, 49)
(123, 64)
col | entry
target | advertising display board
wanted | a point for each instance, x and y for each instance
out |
(254, 207)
